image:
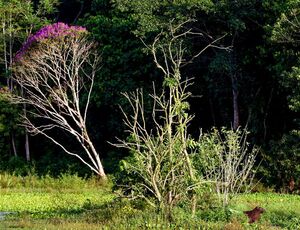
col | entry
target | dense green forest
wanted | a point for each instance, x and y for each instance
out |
(248, 76)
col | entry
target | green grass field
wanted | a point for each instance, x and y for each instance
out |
(74, 203)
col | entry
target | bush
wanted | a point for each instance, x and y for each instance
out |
(17, 166)
(226, 160)
(282, 163)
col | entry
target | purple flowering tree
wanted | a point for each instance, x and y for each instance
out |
(53, 68)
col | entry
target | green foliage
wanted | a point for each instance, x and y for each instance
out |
(46, 164)
(264, 57)
(170, 177)
(207, 149)
(9, 121)
(125, 67)
(120, 50)
(47, 7)
(153, 16)
(9, 113)
(14, 26)
(287, 25)
(291, 80)
(225, 159)
(64, 181)
(285, 32)
(59, 163)
(160, 158)
(16, 165)
(18, 20)
(287, 165)
(233, 14)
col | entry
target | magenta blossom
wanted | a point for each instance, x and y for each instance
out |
(55, 30)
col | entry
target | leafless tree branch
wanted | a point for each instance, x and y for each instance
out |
(53, 76)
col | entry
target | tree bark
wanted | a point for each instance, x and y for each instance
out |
(27, 150)
(13, 143)
(236, 118)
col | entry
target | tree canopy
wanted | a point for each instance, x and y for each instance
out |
(249, 77)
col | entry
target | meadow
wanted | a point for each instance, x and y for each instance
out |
(71, 202)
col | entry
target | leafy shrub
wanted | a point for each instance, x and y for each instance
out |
(17, 166)
(58, 164)
(9, 120)
(226, 159)
(282, 163)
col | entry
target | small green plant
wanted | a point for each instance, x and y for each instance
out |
(226, 159)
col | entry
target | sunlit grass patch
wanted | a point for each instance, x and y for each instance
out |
(282, 210)
(47, 197)
(64, 181)
(50, 201)
(272, 202)
(71, 202)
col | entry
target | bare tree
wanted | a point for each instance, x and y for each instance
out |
(160, 154)
(52, 74)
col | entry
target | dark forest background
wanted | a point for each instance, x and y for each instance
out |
(255, 85)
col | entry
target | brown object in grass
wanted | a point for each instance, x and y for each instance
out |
(291, 184)
(254, 214)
